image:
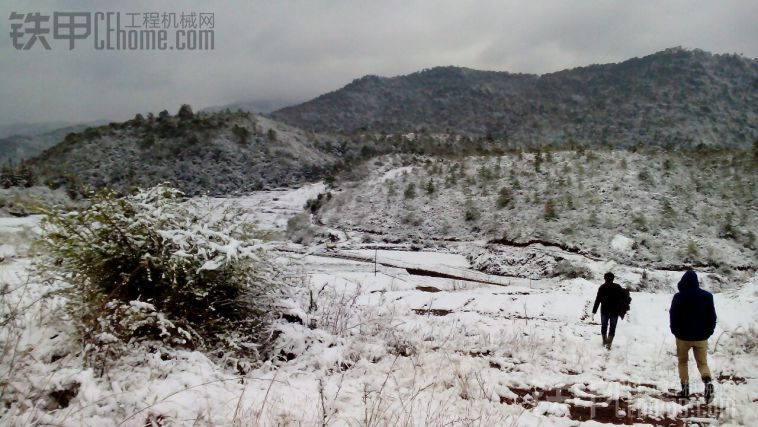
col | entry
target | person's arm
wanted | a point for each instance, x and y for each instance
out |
(711, 315)
(673, 314)
(597, 300)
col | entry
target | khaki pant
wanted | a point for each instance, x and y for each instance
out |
(700, 350)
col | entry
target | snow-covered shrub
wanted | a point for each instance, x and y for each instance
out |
(571, 270)
(154, 266)
(740, 340)
(314, 205)
(471, 211)
(410, 191)
(300, 229)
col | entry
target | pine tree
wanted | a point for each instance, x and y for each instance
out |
(538, 161)
(485, 174)
(25, 176)
(8, 176)
(667, 210)
(640, 222)
(430, 190)
(550, 212)
(451, 179)
(728, 231)
(410, 191)
(505, 197)
(594, 221)
(692, 251)
(471, 211)
(514, 180)
(644, 176)
(570, 202)
(391, 189)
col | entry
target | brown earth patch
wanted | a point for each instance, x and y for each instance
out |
(431, 289)
(432, 311)
(731, 378)
(605, 410)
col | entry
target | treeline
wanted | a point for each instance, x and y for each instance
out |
(20, 175)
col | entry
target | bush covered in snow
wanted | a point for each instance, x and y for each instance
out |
(572, 270)
(152, 266)
(300, 229)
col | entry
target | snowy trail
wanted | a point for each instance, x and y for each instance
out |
(462, 350)
(565, 353)
(421, 264)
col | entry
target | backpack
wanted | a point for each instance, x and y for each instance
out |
(626, 302)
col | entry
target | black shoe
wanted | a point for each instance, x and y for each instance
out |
(684, 395)
(708, 392)
(605, 340)
(609, 342)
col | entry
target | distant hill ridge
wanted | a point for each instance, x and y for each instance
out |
(674, 97)
(216, 153)
(18, 147)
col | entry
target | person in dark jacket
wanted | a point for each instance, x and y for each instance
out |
(614, 302)
(692, 318)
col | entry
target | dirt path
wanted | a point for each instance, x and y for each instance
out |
(445, 272)
(584, 405)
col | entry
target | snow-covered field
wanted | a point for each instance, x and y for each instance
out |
(271, 209)
(372, 344)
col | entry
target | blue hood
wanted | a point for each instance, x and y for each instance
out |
(689, 281)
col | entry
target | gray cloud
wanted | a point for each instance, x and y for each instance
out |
(293, 50)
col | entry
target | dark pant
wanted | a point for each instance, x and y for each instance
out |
(604, 319)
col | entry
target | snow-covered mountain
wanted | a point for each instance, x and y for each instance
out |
(256, 106)
(216, 153)
(675, 97)
(30, 129)
(28, 141)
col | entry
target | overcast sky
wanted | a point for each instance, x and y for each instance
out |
(293, 50)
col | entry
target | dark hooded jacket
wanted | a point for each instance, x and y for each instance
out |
(612, 299)
(692, 316)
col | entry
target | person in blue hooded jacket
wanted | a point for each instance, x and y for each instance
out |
(692, 320)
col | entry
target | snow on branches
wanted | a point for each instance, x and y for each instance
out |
(156, 266)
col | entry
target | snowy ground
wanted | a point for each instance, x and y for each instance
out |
(661, 209)
(389, 348)
(271, 209)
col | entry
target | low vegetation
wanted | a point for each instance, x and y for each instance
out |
(694, 207)
(149, 267)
